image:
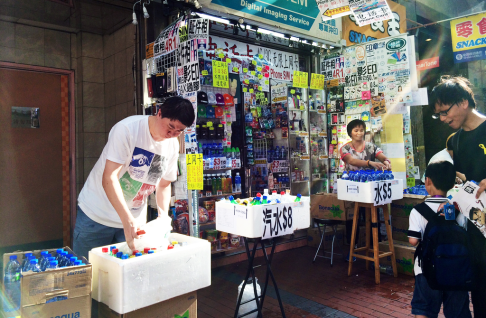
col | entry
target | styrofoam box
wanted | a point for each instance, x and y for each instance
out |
(248, 221)
(128, 285)
(363, 191)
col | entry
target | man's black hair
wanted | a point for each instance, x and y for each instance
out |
(353, 124)
(442, 174)
(178, 108)
(452, 90)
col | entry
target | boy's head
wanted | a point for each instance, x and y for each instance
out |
(451, 100)
(355, 125)
(440, 177)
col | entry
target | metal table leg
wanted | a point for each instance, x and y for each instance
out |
(268, 261)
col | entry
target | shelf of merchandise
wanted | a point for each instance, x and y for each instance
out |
(209, 170)
(319, 158)
(219, 195)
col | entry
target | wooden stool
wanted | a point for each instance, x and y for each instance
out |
(371, 210)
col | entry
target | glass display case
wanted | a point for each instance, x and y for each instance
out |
(318, 142)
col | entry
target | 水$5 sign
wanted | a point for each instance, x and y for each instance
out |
(382, 192)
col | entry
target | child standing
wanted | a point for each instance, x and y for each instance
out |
(426, 302)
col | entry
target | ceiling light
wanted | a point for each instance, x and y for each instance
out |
(279, 35)
(241, 20)
(428, 40)
(331, 47)
(134, 17)
(293, 38)
(213, 18)
(145, 13)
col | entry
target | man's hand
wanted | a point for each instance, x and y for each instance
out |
(482, 187)
(130, 229)
(387, 165)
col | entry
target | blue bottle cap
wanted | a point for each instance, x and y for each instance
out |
(69, 256)
(124, 256)
(299, 195)
(119, 254)
(28, 254)
(138, 254)
(150, 252)
(73, 259)
(33, 261)
(12, 257)
(44, 252)
(50, 259)
(77, 263)
(59, 250)
(264, 197)
(53, 263)
(231, 198)
(112, 247)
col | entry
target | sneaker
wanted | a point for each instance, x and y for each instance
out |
(347, 258)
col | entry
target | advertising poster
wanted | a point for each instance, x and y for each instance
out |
(370, 11)
(469, 38)
(332, 9)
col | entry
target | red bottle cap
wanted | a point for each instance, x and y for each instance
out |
(140, 232)
(135, 252)
(170, 247)
(145, 250)
(282, 193)
(259, 195)
(153, 249)
(114, 251)
(104, 249)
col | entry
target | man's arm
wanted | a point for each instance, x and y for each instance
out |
(114, 192)
(413, 241)
(163, 194)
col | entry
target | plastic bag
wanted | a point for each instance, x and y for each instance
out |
(156, 235)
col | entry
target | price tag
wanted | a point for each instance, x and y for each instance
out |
(321, 111)
(254, 62)
(245, 70)
(238, 163)
(235, 69)
(266, 82)
(228, 60)
(382, 192)
(410, 182)
(334, 142)
(334, 131)
(292, 91)
(221, 55)
(278, 219)
(245, 89)
(352, 188)
(259, 68)
(194, 167)
(204, 73)
(223, 162)
(253, 73)
(260, 88)
(260, 76)
(217, 163)
(260, 56)
(251, 90)
(247, 81)
(322, 134)
(302, 134)
(322, 157)
(298, 96)
(305, 157)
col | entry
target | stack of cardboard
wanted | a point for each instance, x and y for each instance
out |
(404, 252)
(327, 206)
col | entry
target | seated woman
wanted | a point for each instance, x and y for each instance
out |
(359, 154)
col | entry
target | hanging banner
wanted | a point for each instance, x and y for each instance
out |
(298, 15)
(168, 40)
(332, 9)
(188, 78)
(469, 38)
(367, 13)
(281, 65)
(354, 34)
(198, 29)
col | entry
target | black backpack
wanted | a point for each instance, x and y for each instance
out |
(446, 253)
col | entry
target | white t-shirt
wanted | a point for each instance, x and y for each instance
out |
(145, 161)
(417, 224)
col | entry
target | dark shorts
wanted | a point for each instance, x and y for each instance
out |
(89, 234)
(427, 301)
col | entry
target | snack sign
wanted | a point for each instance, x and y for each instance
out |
(469, 38)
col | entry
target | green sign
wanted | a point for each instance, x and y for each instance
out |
(297, 13)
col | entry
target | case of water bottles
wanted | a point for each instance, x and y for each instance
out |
(360, 186)
(55, 292)
(278, 219)
(130, 284)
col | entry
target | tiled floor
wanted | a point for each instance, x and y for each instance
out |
(311, 289)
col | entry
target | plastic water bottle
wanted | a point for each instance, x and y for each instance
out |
(59, 254)
(27, 264)
(248, 294)
(283, 151)
(34, 266)
(72, 260)
(391, 176)
(26, 260)
(11, 282)
(220, 149)
(79, 262)
(238, 182)
(43, 260)
(52, 266)
(298, 197)
(345, 176)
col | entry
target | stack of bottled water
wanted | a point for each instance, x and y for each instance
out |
(367, 175)
(418, 189)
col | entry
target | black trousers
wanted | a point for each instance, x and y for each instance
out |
(478, 298)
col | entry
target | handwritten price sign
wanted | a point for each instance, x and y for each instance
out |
(317, 81)
(194, 164)
(382, 193)
(300, 79)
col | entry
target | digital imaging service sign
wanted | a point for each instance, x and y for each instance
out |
(469, 38)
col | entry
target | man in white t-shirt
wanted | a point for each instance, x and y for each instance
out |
(140, 157)
(426, 302)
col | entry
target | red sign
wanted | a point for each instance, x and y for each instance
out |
(428, 63)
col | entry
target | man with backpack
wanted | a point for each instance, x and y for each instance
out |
(453, 102)
(427, 300)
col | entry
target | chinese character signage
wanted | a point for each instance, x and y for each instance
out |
(300, 79)
(354, 34)
(302, 16)
(317, 81)
(220, 74)
(367, 12)
(194, 164)
(188, 78)
(469, 38)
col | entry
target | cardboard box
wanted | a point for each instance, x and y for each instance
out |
(129, 285)
(248, 221)
(327, 206)
(313, 237)
(400, 229)
(363, 191)
(37, 288)
(183, 306)
(404, 252)
(402, 208)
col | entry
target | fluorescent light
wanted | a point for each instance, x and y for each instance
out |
(428, 40)
(264, 31)
(316, 44)
(331, 47)
(293, 38)
(213, 18)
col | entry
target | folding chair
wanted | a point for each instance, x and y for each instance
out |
(333, 224)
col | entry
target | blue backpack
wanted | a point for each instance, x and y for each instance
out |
(446, 253)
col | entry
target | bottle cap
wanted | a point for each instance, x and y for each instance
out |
(73, 259)
(34, 261)
(119, 254)
(135, 252)
(53, 263)
(104, 250)
(114, 251)
(138, 254)
(12, 257)
(150, 252)
(231, 198)
(264, 197)
(69, 256)
(259, 195)
(299, 195)
(146, 250)
(282, 193)
(77, 263)
(274, 191)
(170, 247)
(59, 250)
(44, 252)
(50, 259)
(112, 247)
(124, 256)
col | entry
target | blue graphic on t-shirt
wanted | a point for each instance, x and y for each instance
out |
(141, 158)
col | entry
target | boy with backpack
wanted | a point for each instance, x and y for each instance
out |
(427, 297)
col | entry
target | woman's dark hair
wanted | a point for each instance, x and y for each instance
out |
(178, 108)
(353, 124)
(452, 90)
(442, 174)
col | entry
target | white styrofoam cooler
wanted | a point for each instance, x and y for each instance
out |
(248, 221)
(363, 191)
(128, 285)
